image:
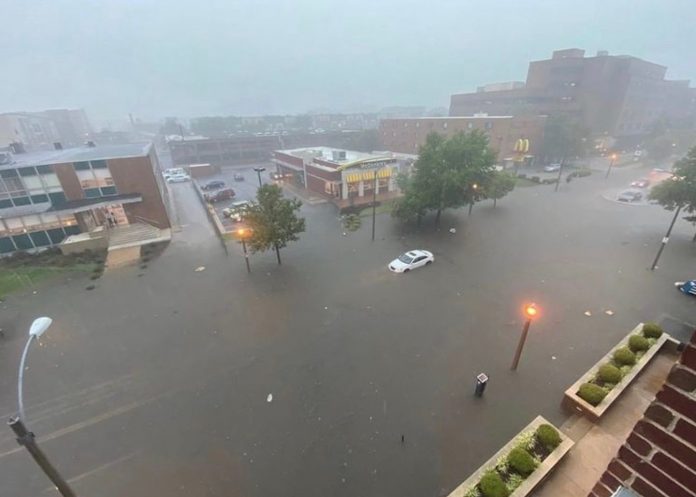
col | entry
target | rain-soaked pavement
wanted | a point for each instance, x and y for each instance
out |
(157, 382)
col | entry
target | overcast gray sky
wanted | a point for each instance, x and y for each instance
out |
(204, 57)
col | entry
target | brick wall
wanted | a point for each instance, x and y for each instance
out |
(69, 181)
(658, 458)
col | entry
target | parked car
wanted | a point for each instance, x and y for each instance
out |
(411, 260)
(213, 185)
(630, 196)
(552, 168)
(220, 195)
(237, 210)
(178, 178)
(275, 176)
(641, 183)
(687, 287)
(238, 177)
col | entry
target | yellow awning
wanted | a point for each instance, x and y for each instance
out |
(368, 175)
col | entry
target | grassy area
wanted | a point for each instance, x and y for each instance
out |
(524, 182)
(23, 271)
(14, 279)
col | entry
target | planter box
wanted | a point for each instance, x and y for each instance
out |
(533, 480)
(571, 398)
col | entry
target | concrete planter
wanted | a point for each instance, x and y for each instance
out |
(533, 480)
(571, 398)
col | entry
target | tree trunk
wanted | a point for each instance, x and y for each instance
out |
(278, 254)
(693, 240)
(495, 201)
(437, 217)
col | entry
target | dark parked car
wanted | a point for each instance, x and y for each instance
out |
(220, 195)
(213, 185)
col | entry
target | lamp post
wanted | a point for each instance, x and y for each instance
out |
(611, 164)
(530, 312)
(26, 438)
(259, 170)
(374, 204)
(474, 188)
(243, 233)
(665, 239)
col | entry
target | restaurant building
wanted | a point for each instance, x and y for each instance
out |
(343, 176)
(48, 196)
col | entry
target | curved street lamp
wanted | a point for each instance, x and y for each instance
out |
(25, 437)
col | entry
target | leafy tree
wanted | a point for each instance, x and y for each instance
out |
(273, 220)
(564, 137)
(501, 184)
(680, 190)
(450, 172)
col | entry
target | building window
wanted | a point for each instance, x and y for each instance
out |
(27, 171)
(44, 169)
(444, 125)
(57, 198)
(489, 125)
(108, 190)
(92, 192)
(39, 199)
(417, 125)
(98, 164)
(40, 238)
(81, 166)
(17, 201)
(5, 203)
(469, 125)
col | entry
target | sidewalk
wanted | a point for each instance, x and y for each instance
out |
(596, 444)
(306, 196)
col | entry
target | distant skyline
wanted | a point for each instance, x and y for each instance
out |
(252, 57)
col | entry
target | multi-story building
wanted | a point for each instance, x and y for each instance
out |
(407, 135)
(618, 95)
(46, 196)
(40, 130)
(343, 176)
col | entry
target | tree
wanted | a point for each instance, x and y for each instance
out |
(680, 190)
(450, 172)
(273, 220)
(564, 137)
(171, 126)
(500, 185)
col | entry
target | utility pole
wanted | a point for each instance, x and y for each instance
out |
(560, 171)
(611, 164)
(531, 312)
(246, 255)
(374, 205)
(666, 238)
(26, 439)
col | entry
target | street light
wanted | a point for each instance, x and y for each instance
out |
(530, 311)
(259, 170)
(474, 187)
(611, 164)
(25, 437)
(243, 233)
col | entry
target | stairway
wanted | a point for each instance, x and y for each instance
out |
(125, 243)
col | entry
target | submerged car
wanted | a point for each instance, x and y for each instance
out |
(178, 178)
(630, 196)
(552, 168)
(687, 287)
(641, 183)
(237, 210)
(238, 177)
(411, 260)
(213, 185)
(219, 195)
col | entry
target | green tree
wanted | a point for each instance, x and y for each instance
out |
(450, 172)
(273, 220)
(501, 184)
(680, 190)
(564, 137)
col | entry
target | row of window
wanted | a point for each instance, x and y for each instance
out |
(56, 198)
(36, 239)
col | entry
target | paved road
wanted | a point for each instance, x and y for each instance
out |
(157, 381)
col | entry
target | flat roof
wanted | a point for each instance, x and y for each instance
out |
(478, 116)
(79, 154)
(326, 153)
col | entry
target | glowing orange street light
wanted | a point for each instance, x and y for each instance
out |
(243, 234)
(611, 164)
(531, 311)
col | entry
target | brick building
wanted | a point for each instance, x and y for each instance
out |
(658, 459)
(47, 196)
(619, 95)
(345, 177)
(407, 135)
(39, 130)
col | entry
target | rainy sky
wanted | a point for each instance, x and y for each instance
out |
(205, 57)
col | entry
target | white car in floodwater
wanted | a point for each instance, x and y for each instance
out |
(411, 260)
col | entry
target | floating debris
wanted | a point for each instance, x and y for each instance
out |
(609, 312)
(199, 269)
(269, 398)
(588, 313)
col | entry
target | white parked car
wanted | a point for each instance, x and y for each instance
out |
(178, 178)
(411, 260)
(552, 168)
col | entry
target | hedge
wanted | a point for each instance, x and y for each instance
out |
(548, 436)
(594, 394)
(609, 373)
(624, 357)
(521, 461)
(638, 343)
(492, 485)
(652, 330)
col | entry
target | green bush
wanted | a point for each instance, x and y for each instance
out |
(521, 461)
(638, 343)
(624, 357)
(492, 485)
(591, 393)
(609, 373)
(548, 436)
(652, 330)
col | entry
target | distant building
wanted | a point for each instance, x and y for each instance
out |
(46, 196)
(618, 95)
(343, 176)
(407, 135)
(40, 130)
